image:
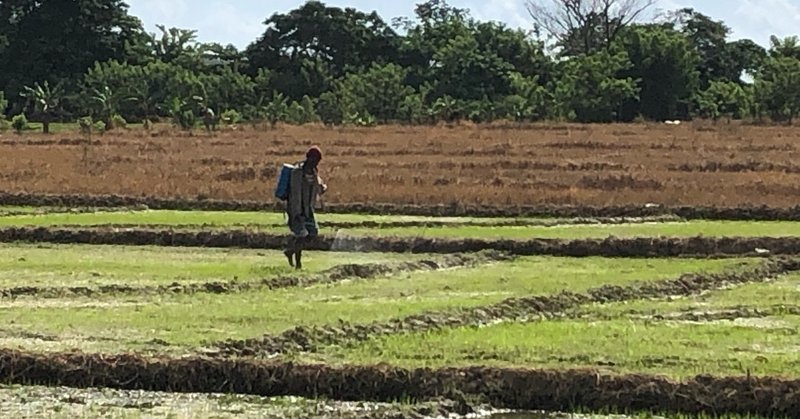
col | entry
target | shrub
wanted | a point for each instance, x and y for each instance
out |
(231, 117)
(99, 126)
(328, 109)
(19, 123)
(117, 121)
(86, 124)
(4, 124)
(3, 104)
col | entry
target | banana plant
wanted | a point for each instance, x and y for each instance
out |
(46, 101)
(109, 103)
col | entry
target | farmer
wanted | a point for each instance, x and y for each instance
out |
(304, 186)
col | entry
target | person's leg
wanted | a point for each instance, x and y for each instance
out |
(298, 252)
(311, 228)
(289, 250)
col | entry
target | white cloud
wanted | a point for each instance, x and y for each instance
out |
(760, 19)
(512, 12)
(224, 21)
(240, 22)
(159, 11)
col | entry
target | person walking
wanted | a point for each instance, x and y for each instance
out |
(305, 186)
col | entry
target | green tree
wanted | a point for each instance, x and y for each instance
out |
(719, 59)
(379, 92)
(709, 39)
(4, 124)
(59, 39)
(329, 109)
(446, 109)
(665, 66)
(108, 104)
(724, 99)
(46, 101)
(530, 99)
(3, 104)
(786, 47)
(589, 89)
(777, 89)
(174, 44)
(227, 89)
(277, 110)
(153, 86)
(455, 55)
(311, 45)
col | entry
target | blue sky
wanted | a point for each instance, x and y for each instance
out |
(240, 22)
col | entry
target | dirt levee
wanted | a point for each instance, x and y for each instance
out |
(609, 247)
(510, 388)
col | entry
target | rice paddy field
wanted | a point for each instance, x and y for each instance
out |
(118, 303)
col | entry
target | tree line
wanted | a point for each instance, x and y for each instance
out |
(585, 61)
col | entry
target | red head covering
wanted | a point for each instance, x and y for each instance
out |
(314, 153)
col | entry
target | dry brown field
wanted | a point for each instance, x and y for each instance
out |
(691, 164)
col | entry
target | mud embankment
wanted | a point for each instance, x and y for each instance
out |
(666, 247)
(744, 213)
(552, 390)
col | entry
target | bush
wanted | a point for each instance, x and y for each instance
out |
(19, 123)
(86, 124)
(4, 124)
(187, 120)
(328, 109)
(117, 121)
(231, 117)
(99, 126)
(3, 105)
(303, 112)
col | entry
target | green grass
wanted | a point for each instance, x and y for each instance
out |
(188, 321)
(623, 346)
(275, 222)
(607, 337)
(82, 265)
(668, 229)
(786, 291)
(65, 128)
(209, 218)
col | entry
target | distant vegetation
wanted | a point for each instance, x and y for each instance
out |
(65, 61)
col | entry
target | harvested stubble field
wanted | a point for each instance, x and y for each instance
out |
(692, 164)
